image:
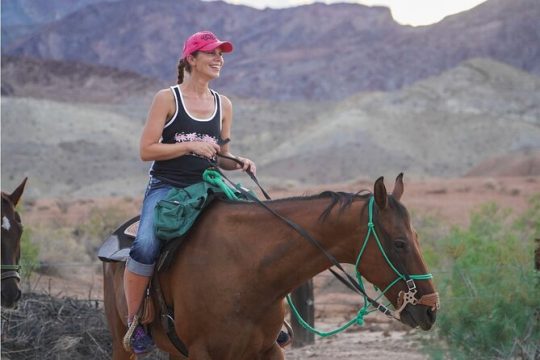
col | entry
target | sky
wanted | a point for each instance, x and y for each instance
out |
(405, 12)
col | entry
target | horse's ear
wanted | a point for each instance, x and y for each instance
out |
(15, 196)
(381, 197)
(398, 187)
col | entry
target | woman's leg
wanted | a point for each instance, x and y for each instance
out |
(145, 249)
(140, 266)
(134, 288)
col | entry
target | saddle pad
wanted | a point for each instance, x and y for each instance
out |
(111, 250)
(116, 247)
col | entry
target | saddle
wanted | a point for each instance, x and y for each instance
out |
(117, 246)
(174, 217)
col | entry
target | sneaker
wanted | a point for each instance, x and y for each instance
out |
(283, 339)
(140, 341)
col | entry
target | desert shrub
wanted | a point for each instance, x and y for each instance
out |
(101, 222)
(490, 295)
(430, 228)
(29, 254)
(57, 246)
(45, 327)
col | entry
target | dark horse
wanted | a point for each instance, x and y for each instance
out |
(11, 246)
(229, 280)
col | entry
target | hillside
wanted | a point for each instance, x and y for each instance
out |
(439, 127)
(312, 52)
(68, 149)
(73, 81)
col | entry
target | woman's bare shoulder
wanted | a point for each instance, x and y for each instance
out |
(164, 93)
(227, 104)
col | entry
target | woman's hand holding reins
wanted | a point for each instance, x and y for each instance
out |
(205, 149)
(248, 165)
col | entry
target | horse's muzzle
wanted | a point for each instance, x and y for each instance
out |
(418, 316)
(11, 293)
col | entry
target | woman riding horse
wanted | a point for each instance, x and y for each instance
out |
(230, 277)
(183, 129)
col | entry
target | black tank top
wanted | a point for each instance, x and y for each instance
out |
(182, 127)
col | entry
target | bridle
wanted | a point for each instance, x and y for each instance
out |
(10, 272)
(404, 298)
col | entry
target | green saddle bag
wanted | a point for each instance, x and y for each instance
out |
(178, 211)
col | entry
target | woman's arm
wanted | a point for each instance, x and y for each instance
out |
(226, 125)
(163, 107)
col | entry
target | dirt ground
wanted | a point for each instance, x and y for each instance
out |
(380, 338)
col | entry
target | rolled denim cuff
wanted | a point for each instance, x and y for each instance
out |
(139, 268)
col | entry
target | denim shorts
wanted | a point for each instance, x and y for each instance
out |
(145, 249)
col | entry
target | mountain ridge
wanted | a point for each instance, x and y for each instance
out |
(290, 54)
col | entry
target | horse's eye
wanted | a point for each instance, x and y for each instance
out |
(400, 244)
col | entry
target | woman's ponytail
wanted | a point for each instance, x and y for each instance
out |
(181, 66)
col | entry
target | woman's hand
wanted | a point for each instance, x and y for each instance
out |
(248, 165)
(205, 149)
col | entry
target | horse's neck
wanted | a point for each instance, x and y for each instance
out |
(293, 259)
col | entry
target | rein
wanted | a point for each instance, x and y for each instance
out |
(356, 285)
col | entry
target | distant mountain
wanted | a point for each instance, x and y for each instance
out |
(73, 81)
(22, 17)
(443, 126)
(315, 51)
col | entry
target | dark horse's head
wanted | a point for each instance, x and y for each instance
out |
(394, 263)
(11, 246)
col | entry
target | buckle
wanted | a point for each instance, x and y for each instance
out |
(410, 284)
(386, 311)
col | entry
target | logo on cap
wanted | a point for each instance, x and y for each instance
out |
(208, 37)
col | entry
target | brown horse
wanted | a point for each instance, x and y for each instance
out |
(230, 277)
(11, 246)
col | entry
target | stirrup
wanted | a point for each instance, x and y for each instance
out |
(126, 342)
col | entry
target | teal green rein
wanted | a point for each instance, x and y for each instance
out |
(359, 319)
(213, 177)
(10, 267)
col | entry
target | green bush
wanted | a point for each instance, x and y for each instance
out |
(29, 254)
(490, 294)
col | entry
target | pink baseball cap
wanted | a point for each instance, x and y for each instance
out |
(205, 41)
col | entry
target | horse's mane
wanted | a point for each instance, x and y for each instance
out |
(343, 199)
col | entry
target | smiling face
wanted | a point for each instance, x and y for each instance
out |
(207, 63)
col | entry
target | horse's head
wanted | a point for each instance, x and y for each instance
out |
(392, 259)
(11, 248)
